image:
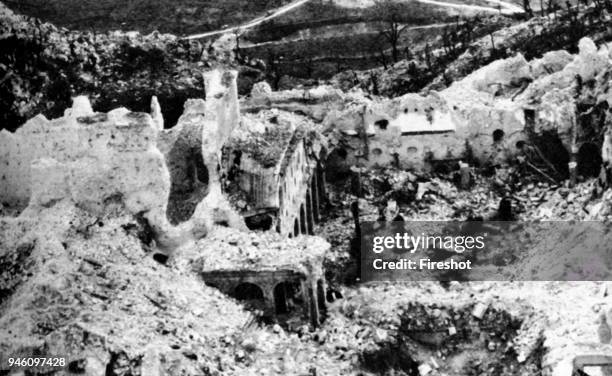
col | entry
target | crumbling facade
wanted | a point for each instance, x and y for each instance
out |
(88, 157)
(173, 180)
(504, 110)
(277, 164)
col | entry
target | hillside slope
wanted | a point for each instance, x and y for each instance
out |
(179, 17)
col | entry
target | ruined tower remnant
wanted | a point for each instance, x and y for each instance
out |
(221, 117)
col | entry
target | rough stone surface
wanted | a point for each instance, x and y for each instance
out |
(90, 159)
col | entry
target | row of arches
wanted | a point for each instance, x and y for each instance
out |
(310, 209)
(288, 298)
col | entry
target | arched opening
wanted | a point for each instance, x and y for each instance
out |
(296, 227)
(211, 284)
(321, 185)
(161, 258)
(589, 160)
(321, 298)
(309, 219)
(251, 294)
(315, 197)
(498, 135)
(303, 220)
(287, 297)
(262, 222)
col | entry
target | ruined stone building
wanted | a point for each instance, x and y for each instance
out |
(276, 165)
(176, 182)
(513, 107)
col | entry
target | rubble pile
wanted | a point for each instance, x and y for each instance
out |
(230, 249)
(88, 287)
(372, 318)
(113, 226)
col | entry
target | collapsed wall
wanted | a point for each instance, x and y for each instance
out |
(92, 159)
(86, 157)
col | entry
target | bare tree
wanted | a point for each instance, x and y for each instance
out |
(389, 12)
(527, 8)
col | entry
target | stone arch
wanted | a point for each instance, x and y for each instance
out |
(309, 215)
(262, 222)
(498, 135)
(321, 297)
(287, 297)
(303, 226)
(315, 197)
(321, 184)
(248, 292)
(162, 258)
(296, 227)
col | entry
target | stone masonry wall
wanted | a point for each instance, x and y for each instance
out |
(87, 157)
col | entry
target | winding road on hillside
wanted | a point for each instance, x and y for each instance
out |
(269, 15)
(315, 38)
(502, 6)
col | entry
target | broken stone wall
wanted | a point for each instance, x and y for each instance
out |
(86, 157)
(413, 130)
(95, 159)
(483, 117)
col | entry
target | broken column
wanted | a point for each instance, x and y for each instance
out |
(220, 115)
